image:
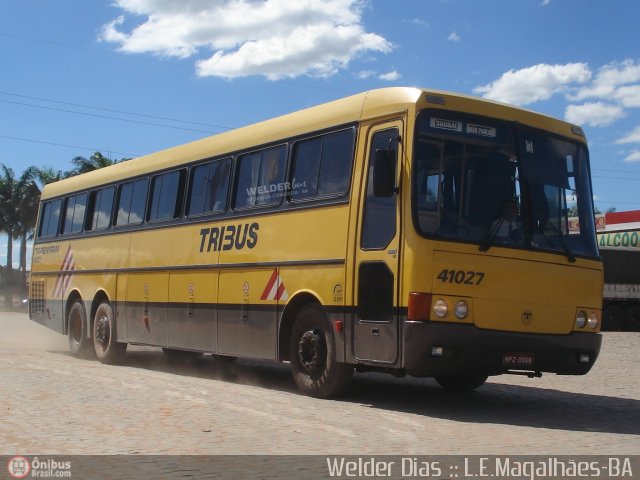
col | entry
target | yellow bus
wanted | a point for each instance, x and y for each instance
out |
(400, 230)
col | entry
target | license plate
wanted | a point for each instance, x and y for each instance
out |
(518, 359)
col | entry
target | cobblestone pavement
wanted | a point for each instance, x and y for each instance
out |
(55, 404)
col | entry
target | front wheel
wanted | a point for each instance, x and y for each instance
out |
(462, 383)
(313, 357)
(108, 349)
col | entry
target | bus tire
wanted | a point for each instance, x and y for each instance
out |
(612, 318)
(108, 349)
(312, 355)
(632, 318)
(462, 383)
(79, 342)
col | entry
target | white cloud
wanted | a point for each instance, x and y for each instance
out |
(532, 84)
(545, 3)
(595, 114)
(390, 76)
(419, 21)
(608, 79)
(633, 156)
(628, 96)
(274, 38)
(364, 74)
(454, 37)
(632, 137)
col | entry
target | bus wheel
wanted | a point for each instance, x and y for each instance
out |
(612, 318)
(79, 343)
(181, 355)
(108, 349)
(462, 383)
(632, 318)
(312, 356)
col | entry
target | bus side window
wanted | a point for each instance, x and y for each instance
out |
(132, 197)
(74, 213)
(335, 168)
(272, 170)
(379, 216)
(99, 209)
(50, 219)
(306, 167)
(322, 166)
(260, 178)
(166, 196)
(209, 187)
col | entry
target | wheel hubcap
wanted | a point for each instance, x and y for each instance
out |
(102, 331)
(76, 328)
(312, 351)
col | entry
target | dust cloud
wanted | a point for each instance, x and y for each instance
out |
(18, 331)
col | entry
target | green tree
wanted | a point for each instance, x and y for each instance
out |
(27, 211)
(8, 210)
(18, 208)
(94, 162)
(47, 175)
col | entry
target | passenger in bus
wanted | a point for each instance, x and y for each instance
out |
(272, 176)
(217, 190)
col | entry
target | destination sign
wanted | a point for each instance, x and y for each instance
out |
(444, 124)
(481, 130)
(464, 128)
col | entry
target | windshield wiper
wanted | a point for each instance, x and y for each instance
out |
(490, 234)
(508, 213)
(560, 236)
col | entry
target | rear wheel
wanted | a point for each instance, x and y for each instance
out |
(462, 383)
(108, 349)
(313, 356)
(79, 342)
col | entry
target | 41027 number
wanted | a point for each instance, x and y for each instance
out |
(461, 277)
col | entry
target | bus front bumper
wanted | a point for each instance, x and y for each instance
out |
(445, 349)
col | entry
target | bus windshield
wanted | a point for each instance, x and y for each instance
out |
(493, 183)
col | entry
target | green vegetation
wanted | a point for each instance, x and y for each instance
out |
(19, 196)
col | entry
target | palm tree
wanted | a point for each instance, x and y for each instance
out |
(47, 175)
(27, 211)
(8, 210)
(94, 162)
(18, 208)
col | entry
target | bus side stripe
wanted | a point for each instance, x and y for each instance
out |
(268, 291)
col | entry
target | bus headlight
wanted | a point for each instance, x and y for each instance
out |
(461, 310)
(440, 308)
(581, 319)
(593, 321)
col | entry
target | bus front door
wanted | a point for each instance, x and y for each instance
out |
(376, 323)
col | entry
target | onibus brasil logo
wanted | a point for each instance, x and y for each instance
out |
(21, 467)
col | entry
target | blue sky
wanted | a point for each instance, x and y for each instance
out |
(129, 77)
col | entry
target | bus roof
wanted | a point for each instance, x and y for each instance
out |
(347, 110)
